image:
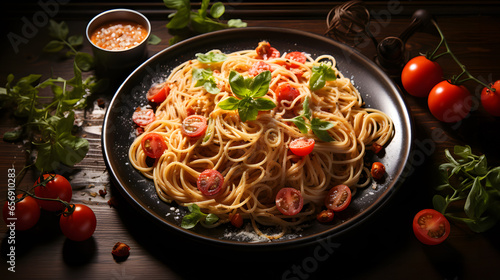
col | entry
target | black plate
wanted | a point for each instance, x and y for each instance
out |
(377, 90)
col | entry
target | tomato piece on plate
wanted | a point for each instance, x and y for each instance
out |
(210, 183)
(338, 198)
(289, 201)
(25, 212)
(265, 51)
(194, 126)
(143, 116)
(431, 227)
(158, 93)
(378, 170)
(236, 220)
(285, 91)
(296, 56)
(153, 145)
(56, 187)
(78, 225)
(259, 67)
(325, 216)
(302, 146)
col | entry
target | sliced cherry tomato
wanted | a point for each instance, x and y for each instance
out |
(57, 187)
(23, 214)
(296, 56)
(302, 146)
(79, 225)
(210, 183)
(236, 220)
(378, 170)
(338, 198)
(194, 126)
(258, 68)
(325, 216)
(376, 148)
(289, 201)
(285, 91)
(158, 93)
(143, 116)
(153, 145)
(449, 103)
(491, 99)
(420, 75)
(265, 51)
(431, 227)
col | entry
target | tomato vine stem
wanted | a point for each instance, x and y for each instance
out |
(455, 79)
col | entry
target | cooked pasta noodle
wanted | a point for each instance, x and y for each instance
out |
(253, 156)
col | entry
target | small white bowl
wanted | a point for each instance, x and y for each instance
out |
(118, 60)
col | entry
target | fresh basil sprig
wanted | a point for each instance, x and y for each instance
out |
(184, 21)
(211, 57)
(205, 78)
(249, 92)
(190, 220)
(319, 127)
(320, 74)
(468, 177)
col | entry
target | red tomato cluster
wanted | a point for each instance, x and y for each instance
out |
(447, 102)
(77, 224)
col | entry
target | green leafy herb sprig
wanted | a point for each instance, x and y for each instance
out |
(185, 22)
(468, 177)
(250, 92)
(205, 78)
(48, 120)
(320, 75)
(305, 121)
(190, 220)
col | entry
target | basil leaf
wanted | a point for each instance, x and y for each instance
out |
(238, 84)
(217, 10)
(204, 77)
(58, 30)
(493, 178)
(247, 109)
(307, 111)
(477, 200)
(75, 40)
(264, 104)
(320, 74)
(439, 203)
(53, 46)
(259, 86)
(211, 57)
(154, 40)
(300, 123)
(211, 219)
(190, 220)
(84, 61)
(236, 23)
(230, 103)
(320, 129)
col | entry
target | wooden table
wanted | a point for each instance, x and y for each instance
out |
(382, 248)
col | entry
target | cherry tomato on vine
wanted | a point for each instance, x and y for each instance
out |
(338, 198)
(302, 146)
(491, 99)
(448, 102)
(289, 201)
(26, 212)
(420, 75)
(158, 93)
(153, 145)
(57, 187)
(430, 227)
(79, 225)
(194, 126)
(210, 183)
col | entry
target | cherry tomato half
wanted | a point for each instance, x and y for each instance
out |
(79, 225)
(491, 99)
(338, 198)
(236, 220)
(430, 227)
(194, 126)
(285, 91)
(325, 216)
(57, 187)
(378, 170)
(296, 56)
(302, 146)
(153, 145)
(448, 102)
(289, 201)
(210, 183)
(259, 67)
(158, 93)
(420, 75)
(143, 116)
(265, 51)
(25, 213)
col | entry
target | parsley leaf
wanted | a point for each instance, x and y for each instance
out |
(205, 78)
(320, 74)
(190, 220)
(250, 92)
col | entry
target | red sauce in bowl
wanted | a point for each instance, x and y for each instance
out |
(120, 35)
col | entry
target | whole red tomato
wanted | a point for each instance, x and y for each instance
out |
(25, 213)
(79, 225)
(449, 102)
(491, 99)
(57, 187)
(420, 75)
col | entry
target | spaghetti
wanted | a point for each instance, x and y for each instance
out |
(254, 156)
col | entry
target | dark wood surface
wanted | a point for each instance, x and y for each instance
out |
(382, 248)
